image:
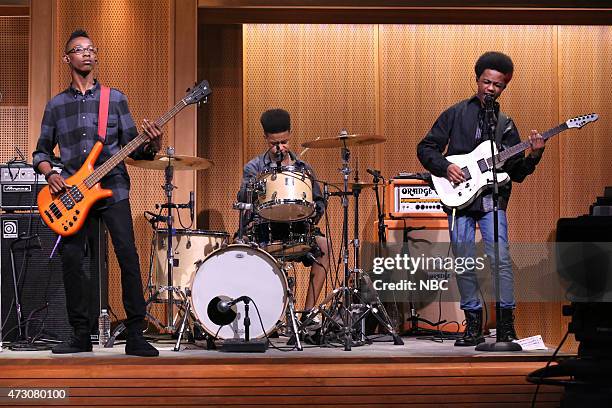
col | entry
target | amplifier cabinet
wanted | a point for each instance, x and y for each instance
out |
(19, 186)
(27, 244)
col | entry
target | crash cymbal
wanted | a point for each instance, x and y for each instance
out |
(342, 140)
(160, 162)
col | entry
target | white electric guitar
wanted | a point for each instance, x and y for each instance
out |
(477, 166)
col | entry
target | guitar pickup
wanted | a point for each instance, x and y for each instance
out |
(483, 165)
(466, 173)
(49, 216)
(76, 194)
(56, 211)
(67, 201)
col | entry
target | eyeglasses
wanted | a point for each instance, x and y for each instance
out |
(81, 50)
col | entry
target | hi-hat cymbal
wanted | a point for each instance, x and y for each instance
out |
(344, 140)
(178, 162)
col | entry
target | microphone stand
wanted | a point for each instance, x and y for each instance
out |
(490, 122)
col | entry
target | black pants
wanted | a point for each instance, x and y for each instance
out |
(118, 220)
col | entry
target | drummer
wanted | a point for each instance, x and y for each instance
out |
(276, 125)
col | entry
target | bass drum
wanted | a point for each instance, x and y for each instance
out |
(234, 271)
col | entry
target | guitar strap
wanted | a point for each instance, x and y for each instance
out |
(103, 112)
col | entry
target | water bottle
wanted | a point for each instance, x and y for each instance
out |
(103, 328)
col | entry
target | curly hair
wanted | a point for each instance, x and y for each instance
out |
(494, 60)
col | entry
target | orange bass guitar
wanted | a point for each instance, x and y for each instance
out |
(65, 213)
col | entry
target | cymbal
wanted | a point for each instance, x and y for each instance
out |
(342, 140)
(178, 162)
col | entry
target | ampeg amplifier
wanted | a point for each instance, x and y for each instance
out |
(19, 186)
(412, 198)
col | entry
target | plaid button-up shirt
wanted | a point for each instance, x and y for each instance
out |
(71, 121)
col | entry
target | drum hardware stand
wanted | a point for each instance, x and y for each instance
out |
(186, 315)
(168, 187)
(241, 207)
(346, 305)
(291, 318)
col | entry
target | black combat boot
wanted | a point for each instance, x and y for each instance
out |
(505, 327)
(473, 329)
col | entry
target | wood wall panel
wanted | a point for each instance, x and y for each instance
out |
(425, 69)
(419, 70)
(325, 76)
(585, 61)
(14, 62)
(134, 52)
(220, 126)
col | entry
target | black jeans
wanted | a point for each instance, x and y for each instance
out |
(118, 220)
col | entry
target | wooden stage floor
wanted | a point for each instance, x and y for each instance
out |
(421, 373)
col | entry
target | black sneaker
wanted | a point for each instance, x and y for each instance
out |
(136, 345)
(76, 344)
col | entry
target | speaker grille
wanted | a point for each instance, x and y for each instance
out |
(39, 279)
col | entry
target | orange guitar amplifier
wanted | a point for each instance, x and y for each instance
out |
(412, 198)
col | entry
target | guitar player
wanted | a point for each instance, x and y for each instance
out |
(71, 121)
(458, 130)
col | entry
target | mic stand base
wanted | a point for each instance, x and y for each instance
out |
(499, 346)
(243, 346)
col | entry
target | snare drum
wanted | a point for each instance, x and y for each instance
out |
(190, 249)
(234, 271)
(288, 240)
(285, 194)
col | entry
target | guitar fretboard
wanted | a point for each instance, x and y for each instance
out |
(520, 147)
(126, 150)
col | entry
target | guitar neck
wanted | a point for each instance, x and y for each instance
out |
(521, 147)
(129, 148)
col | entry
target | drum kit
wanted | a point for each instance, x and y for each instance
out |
(212, 280)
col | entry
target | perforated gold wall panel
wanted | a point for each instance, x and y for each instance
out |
(14, 56)
(325, 76)
(585, 61)
(133, 38)
(427, 68)
(220, 126)
(409, 74)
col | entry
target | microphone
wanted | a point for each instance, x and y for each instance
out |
(375, 174)
(489, 100)
(278, 154)
(191, 205)
(224, 306)
(153, 218)
(221, 311)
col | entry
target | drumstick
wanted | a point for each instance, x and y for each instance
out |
(306, 149)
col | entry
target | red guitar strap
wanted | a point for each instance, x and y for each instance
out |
(103, 112)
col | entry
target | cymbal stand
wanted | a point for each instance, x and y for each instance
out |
(376, 308)
(342, 296)
(170, 289)
(168, 187)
